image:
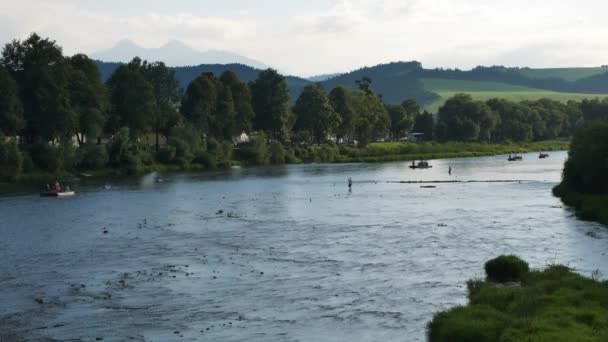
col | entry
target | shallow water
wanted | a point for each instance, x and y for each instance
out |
(293, 256)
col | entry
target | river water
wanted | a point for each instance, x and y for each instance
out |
(277, 253)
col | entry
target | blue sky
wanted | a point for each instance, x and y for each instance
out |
(324, 36)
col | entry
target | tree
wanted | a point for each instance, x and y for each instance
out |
(200, 101)
(88, 97)
(425, 123)
(315, 113)
(462, 119)
(167, 94)
(341, 100)
(224, 118)
(270, 99)
(11, 111)
(371, 119)
(587, 165)
(241, 96)
(400, 121)
(41, 73)
(133, 100)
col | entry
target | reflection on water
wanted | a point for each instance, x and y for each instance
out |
(277, 253)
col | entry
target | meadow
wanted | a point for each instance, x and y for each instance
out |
(483, 91)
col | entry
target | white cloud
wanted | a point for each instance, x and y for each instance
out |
(344, 35)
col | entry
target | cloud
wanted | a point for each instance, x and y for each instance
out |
(334, 35)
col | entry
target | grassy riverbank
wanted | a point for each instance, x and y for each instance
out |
(555, 304)
(397, 151)
(589, 207)
(375, 152)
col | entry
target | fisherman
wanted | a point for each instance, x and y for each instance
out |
(450, 170)
(350, 183)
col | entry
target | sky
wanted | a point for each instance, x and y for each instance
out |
(310, 37)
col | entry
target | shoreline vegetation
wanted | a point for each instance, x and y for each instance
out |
(516, 304)
(584, 185)
(374, 152)
(59, 118)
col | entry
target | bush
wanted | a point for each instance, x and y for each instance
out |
(11, 160)
(277, 153)
(479, 323)
(255, 152)
(46, 157)
(207, 159)
(93, 157)
(165, 155)
(506, 268)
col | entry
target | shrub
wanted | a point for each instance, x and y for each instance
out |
(46, 157)
(166, 154)
(11, 160)
(277, 153)
(93, 156)
(506, 268)
(479, 323)
(206, 158)
(255, 152)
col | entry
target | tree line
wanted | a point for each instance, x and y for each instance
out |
(67, 118)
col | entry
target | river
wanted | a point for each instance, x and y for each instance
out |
(282, 253)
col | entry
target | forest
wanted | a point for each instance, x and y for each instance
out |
(57, 114)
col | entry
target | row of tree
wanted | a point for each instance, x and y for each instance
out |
(51, 100)
(463, 119)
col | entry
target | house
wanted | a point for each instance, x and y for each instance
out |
(415, 137)
(241, 139)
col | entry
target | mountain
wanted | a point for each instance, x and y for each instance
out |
(173, 53)
(398, 81)
(321, 78)
(185, 74)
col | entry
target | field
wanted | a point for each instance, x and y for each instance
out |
(568, 74)
(486, 90)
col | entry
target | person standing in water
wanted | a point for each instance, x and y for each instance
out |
(450, 170)
(350, 183)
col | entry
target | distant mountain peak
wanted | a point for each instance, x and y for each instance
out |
(173, 53)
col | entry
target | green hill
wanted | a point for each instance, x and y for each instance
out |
(568, 74)
(447, 88)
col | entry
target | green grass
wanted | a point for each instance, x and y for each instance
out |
(483, 91)
(554, 305)
(589, 207)
(568, 74)
(398, 151)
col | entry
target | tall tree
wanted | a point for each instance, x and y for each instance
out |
(400, 121)
(88, 97)
(270, 98)
(167, 94)
(371, 119)
(133, 100)
(425, 123)
(200, 101)
(41, 73)
(315, 114)
(341, 100)
(241, 96)
(11, 111)
(224, 117)
(463, 119)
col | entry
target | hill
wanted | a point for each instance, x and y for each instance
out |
(447, 88)
(185, 74)
(568, 74)
(398, 81)
(173, 53)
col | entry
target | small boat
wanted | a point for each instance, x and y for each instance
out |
(57, 193)
(515, 158)
(543, 155)
(420, 165)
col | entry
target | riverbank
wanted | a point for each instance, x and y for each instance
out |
(375, 152)
(554, 304)
(589, 207)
